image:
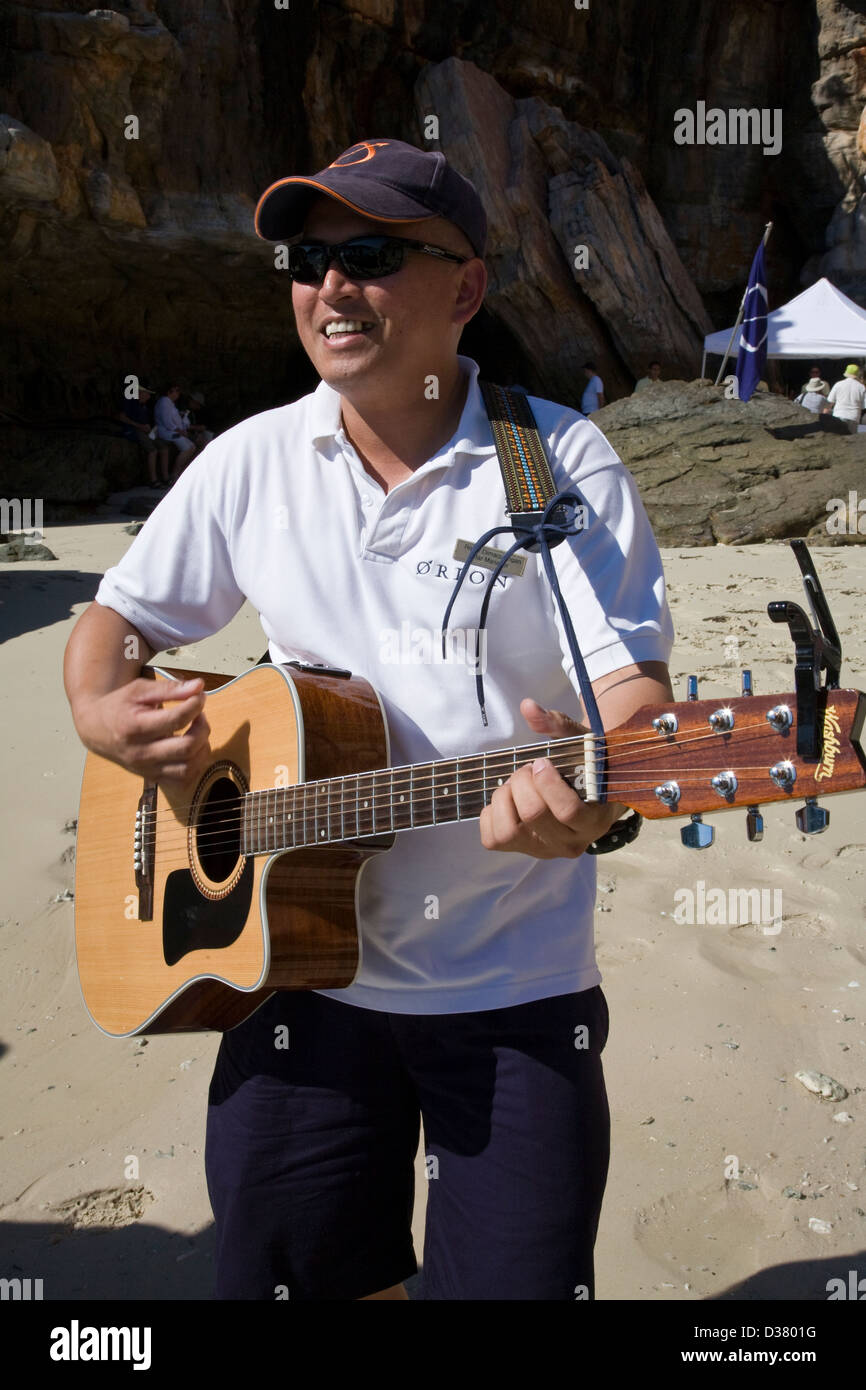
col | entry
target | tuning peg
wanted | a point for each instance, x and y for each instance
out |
(692, 689)
(812, 819)
(747, 683)
(754, 823)
(697, 835)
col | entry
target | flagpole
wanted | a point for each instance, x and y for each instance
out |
(767, 231)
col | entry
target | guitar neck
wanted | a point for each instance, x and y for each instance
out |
(398, 798)
(671, 761)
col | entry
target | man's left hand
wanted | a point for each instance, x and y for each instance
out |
(536, 812)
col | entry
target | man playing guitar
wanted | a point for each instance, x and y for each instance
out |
(477, 1007)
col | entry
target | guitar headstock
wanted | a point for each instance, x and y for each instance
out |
(713, 755)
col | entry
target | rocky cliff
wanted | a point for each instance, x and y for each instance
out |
(135, 140)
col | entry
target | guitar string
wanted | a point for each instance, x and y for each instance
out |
(419, 790)
(339, 810)
(617, 752)
(261, 835)
(227, 826)
(469, 785)
(281, 833)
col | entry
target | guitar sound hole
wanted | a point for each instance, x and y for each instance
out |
(218, 838)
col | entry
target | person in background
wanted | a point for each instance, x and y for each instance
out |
(847, 397)
(815, 375)
(134, 416)
(170, 427)
(593, 393)
(654, 375)
(198, 433)
(812, 397)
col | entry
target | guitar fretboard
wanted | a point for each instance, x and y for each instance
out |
(366, 804)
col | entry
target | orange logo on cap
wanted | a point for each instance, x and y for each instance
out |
(371, 146)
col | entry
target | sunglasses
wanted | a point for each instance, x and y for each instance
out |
(362, 258)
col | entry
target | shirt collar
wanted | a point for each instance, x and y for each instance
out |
(472, 436)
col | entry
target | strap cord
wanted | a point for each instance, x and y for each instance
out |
(539, 521)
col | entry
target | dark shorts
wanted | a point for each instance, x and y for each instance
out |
(310, 1149)
(144, 441)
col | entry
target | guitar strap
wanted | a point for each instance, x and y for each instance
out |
(529, 485)
(540, 519)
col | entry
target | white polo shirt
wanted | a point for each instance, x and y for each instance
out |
(280, 510)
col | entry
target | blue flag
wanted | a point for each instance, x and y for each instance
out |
(752, 356)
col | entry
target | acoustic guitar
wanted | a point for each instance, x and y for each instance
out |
(194, 904)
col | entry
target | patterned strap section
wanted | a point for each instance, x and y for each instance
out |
(528, 480)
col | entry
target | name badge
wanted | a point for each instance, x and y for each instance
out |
(488, 558)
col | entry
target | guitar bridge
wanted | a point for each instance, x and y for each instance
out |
(143, 851)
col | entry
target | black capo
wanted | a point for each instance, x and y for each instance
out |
(817, 649)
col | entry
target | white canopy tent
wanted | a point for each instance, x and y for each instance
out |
(820, 322)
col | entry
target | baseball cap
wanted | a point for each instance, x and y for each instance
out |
(388, 180)
(852, 369)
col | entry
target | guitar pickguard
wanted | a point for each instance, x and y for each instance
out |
(192, 922)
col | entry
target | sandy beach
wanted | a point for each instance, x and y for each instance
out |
(723, 1162)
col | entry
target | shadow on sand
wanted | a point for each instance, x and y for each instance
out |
(142, 1261)
(103, 1264)
(31, 599)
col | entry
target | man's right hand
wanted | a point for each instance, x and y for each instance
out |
(154, 728)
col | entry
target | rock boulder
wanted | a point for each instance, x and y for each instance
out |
(713, 470)
(66, 466)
